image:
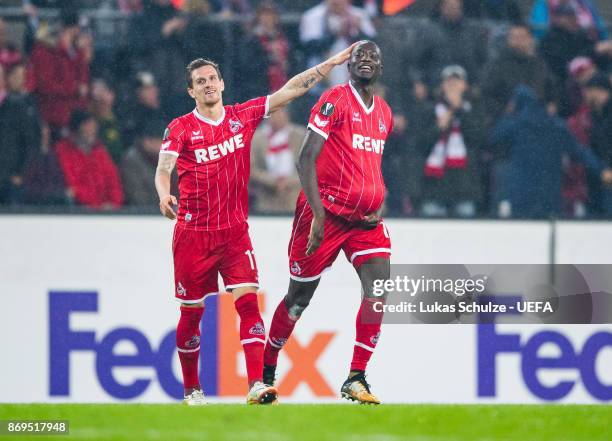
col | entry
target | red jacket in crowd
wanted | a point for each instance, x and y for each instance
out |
(92, 177)
(57, 78)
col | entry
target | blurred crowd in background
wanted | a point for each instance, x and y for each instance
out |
(503, 108)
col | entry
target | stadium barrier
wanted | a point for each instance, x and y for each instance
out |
(92, 297)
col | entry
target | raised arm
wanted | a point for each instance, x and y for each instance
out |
(307, 171)
(302, 82)
(165, 165)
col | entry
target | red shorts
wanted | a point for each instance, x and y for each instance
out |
(199, 256)
(358, 244)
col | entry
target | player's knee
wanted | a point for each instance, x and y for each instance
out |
(297, 302)
(373, 274)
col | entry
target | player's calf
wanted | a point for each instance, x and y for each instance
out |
(286, 315)
(252, 335)
(188, 346)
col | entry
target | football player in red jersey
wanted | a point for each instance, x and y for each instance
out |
(339, 209)
(211, 148)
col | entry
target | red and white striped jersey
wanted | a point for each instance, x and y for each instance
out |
(214, 164)
(349, 170)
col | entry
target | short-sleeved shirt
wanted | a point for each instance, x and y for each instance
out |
(349, 170)
(214, 164)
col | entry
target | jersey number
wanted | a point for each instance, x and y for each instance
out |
(251, 255)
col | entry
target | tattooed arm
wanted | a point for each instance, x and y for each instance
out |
(301, 83)
(162, 184)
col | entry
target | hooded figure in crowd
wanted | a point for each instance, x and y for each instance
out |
(527, 179)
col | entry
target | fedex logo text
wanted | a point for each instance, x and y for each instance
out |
(583, 361)
(63, 341)
(220, 355)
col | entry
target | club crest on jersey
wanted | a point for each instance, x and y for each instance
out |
(327, 109)
(235, 125)
(180, 290)
(381, 126)
(257, 329)
(295, 268)
(319, 122)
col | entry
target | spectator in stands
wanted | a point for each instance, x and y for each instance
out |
(17, 142)
(452, 139)
(580, 123)
(60, 75)
(102, 103)
(274, 179)
(402, 163)
(16, 79)
(586, 13)
(575, 193)
(138, 167)
(566, 40)
(532, 144)
(200, 27)
(43, 182)
(452, 40)
(329, 27)
(91, 177)
(156, 45)
(16, 86)
(264, 54)
(517, 64)
(146, 108)
(501, 10)
(581, 70)
(598, 93)
(9, 54)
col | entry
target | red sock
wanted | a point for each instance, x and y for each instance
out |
(252, 335)
(188, 344)
(280, 329)
(368, 332)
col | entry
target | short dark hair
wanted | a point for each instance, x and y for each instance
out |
(78, 118)
(196, 64)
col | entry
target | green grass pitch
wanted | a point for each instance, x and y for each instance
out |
(321, 422)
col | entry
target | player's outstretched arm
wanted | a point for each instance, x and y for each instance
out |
(302, 82)
(163, 173)
(307, 171)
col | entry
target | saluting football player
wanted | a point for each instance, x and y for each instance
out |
(211, 148)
